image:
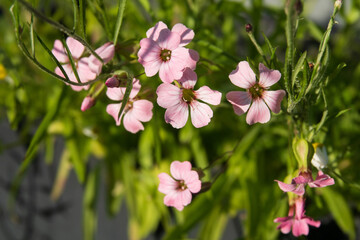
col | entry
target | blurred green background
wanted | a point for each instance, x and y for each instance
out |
(88, 178)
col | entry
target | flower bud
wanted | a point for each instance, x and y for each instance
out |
(248, 27)
(87, 103)
(338, 4)
(320, 158)
(112, 82)
(303, 152)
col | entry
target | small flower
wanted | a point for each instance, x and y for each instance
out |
(178, 99)
(106, 52)
(298, 223)
(135, 111)
(298, 183)
(179, 187)
(81, 63)
(320, 158)
(162, 51)
(87, 103)
(257, 99)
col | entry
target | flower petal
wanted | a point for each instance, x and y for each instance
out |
(286, 187)
(142, 110)
(243, 76)
(167, 184)
(168, 40)
(240, 100)
(185, 197)
(177, 115)
(153, 33)
(116, 94)
(200, 114)
(113, 110)
(75, 47)
(209, 96)
(131, 123)
(273, 99)
(258, 112)
(193, 57)
(168, 95)
(179, 170)
(300, 228)
(188, 79)
(186, 34)
(322, 180)
(149, 50)
(192, 181)
(174, 199)
(169, 71)
(268, 77)
(59, 52)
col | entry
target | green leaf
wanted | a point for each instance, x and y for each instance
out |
(77, 158)
(129, 86)
(340, 210)
(62, 175)
(146, 146)
(298, 68)
(119, 18)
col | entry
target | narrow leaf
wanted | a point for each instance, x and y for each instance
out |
(61, 176)
(129, 86)
(119, 18)
(298, 68)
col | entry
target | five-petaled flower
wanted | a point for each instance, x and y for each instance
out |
(257, 98)
(178, 99)
(135, 111)
(299, 223)
(163, 51)
(298, 183)
(180, 186)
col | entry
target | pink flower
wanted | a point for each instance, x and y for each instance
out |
(298, 183)
(162, 51)
(135, 111)
(81, 63)
(298, 223)
(106, 52)
(178, 188)
(178, 100)
(257, 98)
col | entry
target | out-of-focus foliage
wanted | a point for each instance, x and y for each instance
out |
(251, 156)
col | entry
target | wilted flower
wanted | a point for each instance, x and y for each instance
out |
(257, 98)
(298, 223)
(179, 187)
(177, 101)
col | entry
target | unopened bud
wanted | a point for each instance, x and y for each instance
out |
(248, 27)
(112, 82)
(298, 7)
(338, 4)
(87, 103)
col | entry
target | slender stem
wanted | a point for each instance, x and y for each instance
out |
(258, 48)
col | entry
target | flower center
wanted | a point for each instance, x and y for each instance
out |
(165, 55)
(256, 91)
(182, 186)
(188, 95)
(128, 106)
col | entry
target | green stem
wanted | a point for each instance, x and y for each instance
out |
(258, 48)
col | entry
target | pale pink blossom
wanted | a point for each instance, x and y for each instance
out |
(106, 52)
(298, 183)
(163, 51)
(180, 186)
(299, 224)
(257, 99)
(81, 63)
(135, 111)
(87, 103)
(178, 100)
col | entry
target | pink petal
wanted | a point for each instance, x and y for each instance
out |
(169, 71)
(243, 76)
(312, 222)
(302, 180)
(286, 187)
(209, 96)
(268, 77)
(186, 34)
(153, 33)
(113, 110)
(142, 110)
(131, 123)
(179, 170)
(322, 180)
(300, 228)
(106, 52)
(168, 40)
(149, 50)
(200, 114)
(116, 94)
(168, 95)
(285, 224)
(151, 68)
(192, 181)
(84, 72)
(185, 197)
(75, 47)
(192, 59)
(188, 79)
(59, 52)
(273, 99)
(240, 100)
(258, 112)
(135, 88)
(173, 199)
(177, 115)
(167, 184)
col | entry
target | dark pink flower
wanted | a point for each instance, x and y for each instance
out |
(257, 98)
(298, 183)
(298, 223)
(135, 111)
(81, 63)
(180, 186)
(177, 101)
(162, 51)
